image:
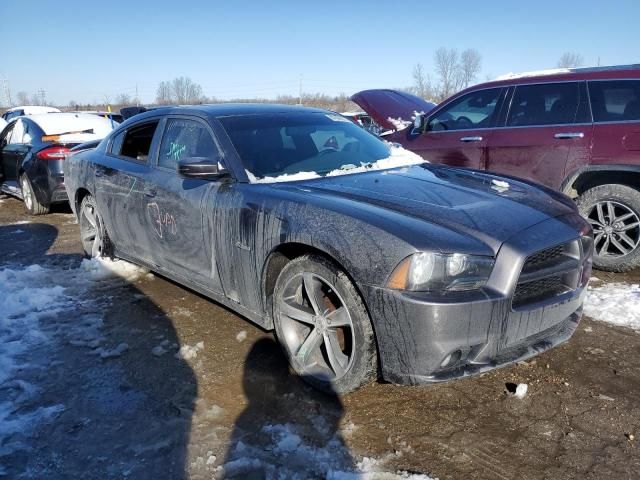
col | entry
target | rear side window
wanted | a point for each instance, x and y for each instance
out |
(615, 100)
(185, 139)
(546, 104)
(135, 142)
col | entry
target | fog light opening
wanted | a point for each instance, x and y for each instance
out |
(451, 359)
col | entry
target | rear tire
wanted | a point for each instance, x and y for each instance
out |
(614, 213)
(34, 207)
(326, 334)
(92, 233)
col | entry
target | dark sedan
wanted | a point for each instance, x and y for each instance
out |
(362, 257)
(33, 149)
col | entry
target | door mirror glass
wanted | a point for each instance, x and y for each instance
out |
(201, 167)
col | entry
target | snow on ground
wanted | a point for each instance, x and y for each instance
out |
(289, 455)
(43, 308)
(551, 71)
(398, 157)
(616, 303)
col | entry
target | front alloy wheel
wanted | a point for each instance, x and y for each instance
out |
(323, 326)
(614, 214)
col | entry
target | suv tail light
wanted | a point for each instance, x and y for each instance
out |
(53, 153)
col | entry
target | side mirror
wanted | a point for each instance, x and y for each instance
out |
(420, 124)
(417, 122)
(203, 168)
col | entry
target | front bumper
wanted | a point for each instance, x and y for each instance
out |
(423, 338)
(421, 341)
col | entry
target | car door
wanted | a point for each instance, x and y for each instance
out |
(546, 126)
(177, 210)
(5, 136)
(120, 187)
(457, 134)
(616, 115)
(13, 152)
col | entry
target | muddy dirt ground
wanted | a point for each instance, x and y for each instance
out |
(144, 414)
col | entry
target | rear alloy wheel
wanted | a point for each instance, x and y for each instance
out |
(323, 326)
(91, 228)
(29, 197)
(614, 213)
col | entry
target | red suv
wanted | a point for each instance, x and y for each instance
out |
(577, 131)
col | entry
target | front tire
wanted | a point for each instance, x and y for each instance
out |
(34, 207)
(92, 232)
(614, 213)
(323, 325)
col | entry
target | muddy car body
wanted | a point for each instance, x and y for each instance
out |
(337, 263)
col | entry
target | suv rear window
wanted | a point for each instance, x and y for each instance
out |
(615, 100)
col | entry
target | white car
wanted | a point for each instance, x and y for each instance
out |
(27, 110)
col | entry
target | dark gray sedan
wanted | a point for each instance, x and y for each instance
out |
(363, 258)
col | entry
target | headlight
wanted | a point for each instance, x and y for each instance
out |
(428, 271)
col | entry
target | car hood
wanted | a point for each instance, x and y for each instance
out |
(487, 208)
(391, 109)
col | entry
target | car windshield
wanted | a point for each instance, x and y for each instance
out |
(294, 146)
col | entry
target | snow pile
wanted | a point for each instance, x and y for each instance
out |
(104, 268)
(616, 303)
(539, 73)
(188, 352)
(241, 336)
(399, 123)
(398, 157)
(289, 456)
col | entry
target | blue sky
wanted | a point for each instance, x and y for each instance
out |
(85, 50)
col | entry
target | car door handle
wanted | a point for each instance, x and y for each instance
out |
(470, 139)
(569, 135)
(150, 192)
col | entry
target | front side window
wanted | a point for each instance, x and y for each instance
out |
(615, 100)
(474, 110)
(18, 134)
(7, 133)
(545, 104)
(135, 142)
(186, 139)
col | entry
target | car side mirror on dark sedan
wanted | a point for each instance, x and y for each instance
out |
(201, 167)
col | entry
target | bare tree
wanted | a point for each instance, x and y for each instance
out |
(22, 98)
(446, 60)
(421, 82)
(570, 60)
(123, 99)
(185, 91)
(469, 67)
(163, 94)
(36, 99)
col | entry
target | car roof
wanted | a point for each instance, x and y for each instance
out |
(563, 74)
(226, 110)
(33, 109)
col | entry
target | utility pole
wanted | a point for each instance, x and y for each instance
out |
(300, 91)
(42, 94)
(137, 98)
(6, 89)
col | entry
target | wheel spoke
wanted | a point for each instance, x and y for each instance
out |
(624, 237)
(619, 245)
(624, 217)
(97, 245)
(605, 246)
(313, 287)
(630, 226)
(597, 239)
(89, 214)
(611, 212)
(311, 343)
(337, 359)
(600, 213)
(296, 312)
(339, 317)
(89, 236)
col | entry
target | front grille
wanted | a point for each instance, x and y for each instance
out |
(547, 274)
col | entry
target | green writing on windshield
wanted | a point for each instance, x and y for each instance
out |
(175, 150)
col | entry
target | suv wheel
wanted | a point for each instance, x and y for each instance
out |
(29, 197)
(92, 233)
(614, 213)
(323, 325)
